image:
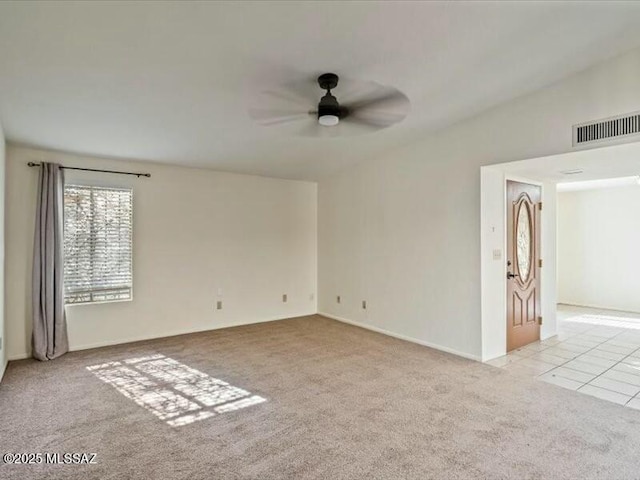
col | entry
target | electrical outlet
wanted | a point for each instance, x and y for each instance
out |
(219, 305)
(338, 299)
(364, 304)
(284, 297)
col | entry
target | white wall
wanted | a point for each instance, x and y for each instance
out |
(3, 351)
(195, 231)
(598, 248)
(493, 282)
(403, 230)
(549, 251)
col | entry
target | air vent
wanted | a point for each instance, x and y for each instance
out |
(607, 129)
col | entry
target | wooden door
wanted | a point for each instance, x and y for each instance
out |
(523, 264)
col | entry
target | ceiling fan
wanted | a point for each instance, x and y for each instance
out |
(366, 106)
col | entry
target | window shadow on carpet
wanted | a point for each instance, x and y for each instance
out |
(173, 391)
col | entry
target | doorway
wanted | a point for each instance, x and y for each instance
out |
(523, 263)
(606, 163)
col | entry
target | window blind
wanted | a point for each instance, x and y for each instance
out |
(97, 244)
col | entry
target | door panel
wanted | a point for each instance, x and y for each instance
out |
(523, 272)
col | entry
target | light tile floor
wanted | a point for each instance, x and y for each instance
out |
(596, 352)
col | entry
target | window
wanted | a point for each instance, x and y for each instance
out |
(97, 244)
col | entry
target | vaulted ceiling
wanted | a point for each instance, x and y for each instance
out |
(174, 81)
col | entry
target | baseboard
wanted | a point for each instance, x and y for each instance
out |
(402, 337)
(122, 341)
(548, 336)
(597, 307)
(19, 356)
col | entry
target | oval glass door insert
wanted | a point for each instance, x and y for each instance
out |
(523, 242)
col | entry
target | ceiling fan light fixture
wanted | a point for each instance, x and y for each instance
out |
(328, 120)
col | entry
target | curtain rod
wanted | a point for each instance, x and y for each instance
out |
(32, 164)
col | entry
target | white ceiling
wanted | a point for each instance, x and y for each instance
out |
(609, 165)
(173, 81)
(598, 184)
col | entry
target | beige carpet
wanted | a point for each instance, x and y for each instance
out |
(339, 403)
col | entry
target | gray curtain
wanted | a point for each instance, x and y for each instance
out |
(49, 338)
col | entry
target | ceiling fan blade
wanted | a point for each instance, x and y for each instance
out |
(314, 129)
(347, 127)
(278, 96)
(268, 116)
(375, 118)
(300, 92)
(388, 100)
(304, 88)
(353, 128)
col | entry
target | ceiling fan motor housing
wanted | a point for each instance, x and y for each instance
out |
(329, 106)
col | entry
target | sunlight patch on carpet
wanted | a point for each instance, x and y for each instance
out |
(173, 391)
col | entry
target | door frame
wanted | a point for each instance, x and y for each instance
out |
(493, 270)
